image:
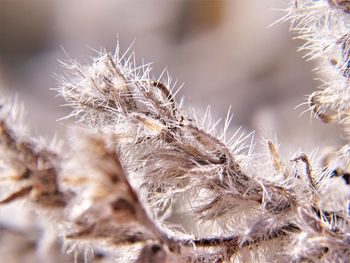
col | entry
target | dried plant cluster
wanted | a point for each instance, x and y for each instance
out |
(148, 182)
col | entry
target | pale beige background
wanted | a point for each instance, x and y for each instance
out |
(222, 51)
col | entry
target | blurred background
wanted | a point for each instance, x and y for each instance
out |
(223, 51)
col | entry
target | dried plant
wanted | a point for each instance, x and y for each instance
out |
(144, 162)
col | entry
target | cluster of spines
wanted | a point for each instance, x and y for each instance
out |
(145, 157)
